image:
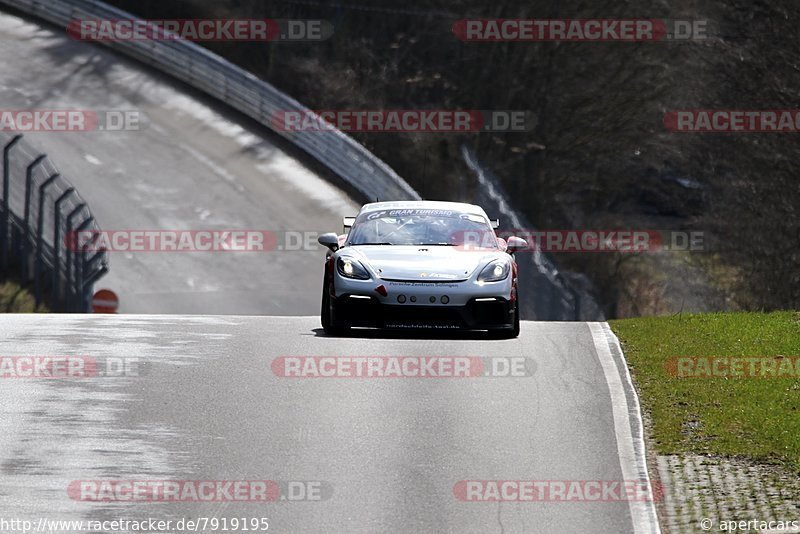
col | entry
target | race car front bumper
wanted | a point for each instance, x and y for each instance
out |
(475, 313)
(452, 304)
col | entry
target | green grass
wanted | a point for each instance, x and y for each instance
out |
(753, 417)
(16, 299)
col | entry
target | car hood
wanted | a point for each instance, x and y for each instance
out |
(421, 263)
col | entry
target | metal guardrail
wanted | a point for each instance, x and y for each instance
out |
(39, 211)
(241, 90)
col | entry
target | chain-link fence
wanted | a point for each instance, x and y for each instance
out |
(40, 209)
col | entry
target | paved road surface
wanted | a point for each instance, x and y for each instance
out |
(387, 451)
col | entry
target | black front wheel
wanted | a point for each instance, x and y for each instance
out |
(515, 332)
(509, 333)
(327, 315)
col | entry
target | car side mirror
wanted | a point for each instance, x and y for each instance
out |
(515, 244)
(329, 240)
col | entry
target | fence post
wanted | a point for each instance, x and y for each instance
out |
(88, 283)
(79, 263)
(78, 298)
(96, 273)
(4, 217)
(80, 305)
(71, 254)
(26, 241)
(37, 273)
(84, 285)
(57, 247)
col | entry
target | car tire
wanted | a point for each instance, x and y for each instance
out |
(327, 314)
(515, 332)
(509, 333)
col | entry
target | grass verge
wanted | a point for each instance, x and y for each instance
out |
(719, 408)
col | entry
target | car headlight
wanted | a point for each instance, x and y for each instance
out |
(495, 271)
(351, 268)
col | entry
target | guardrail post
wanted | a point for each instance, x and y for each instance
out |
(57, 247)
(26, 241)
(37, 273)
(4, 217)
(71, 255)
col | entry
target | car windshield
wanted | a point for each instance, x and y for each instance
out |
(421, 227)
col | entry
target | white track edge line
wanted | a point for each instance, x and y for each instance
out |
(626, 411)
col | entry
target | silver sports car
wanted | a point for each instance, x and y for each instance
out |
(420, 265)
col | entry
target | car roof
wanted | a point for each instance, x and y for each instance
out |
(424, 204)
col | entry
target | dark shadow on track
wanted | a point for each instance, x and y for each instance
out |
(373, 333)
